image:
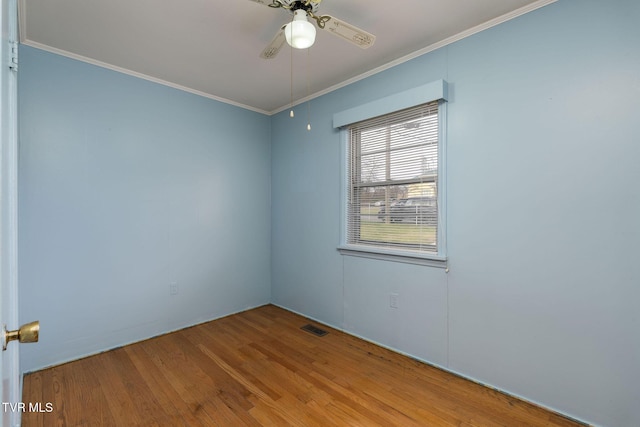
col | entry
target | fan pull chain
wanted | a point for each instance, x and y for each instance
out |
(291, 99)
(308, 91)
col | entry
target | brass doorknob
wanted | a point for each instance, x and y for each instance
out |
(28, 332)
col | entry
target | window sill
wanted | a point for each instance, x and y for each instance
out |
(394, 255)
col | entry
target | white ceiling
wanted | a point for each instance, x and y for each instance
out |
(212, 47)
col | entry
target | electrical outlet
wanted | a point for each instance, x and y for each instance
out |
(173, 288)
(393, 300)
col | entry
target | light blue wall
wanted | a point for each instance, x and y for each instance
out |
(543, 200)
(126, 186)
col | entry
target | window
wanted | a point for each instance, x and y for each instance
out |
(393, 180)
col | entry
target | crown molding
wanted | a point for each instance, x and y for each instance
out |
(139, 75)
(457, 37)
(462, 35)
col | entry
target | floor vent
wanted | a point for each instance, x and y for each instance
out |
(314, 330)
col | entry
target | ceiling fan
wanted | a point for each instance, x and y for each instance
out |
(300, 33)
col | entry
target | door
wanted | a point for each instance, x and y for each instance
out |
(11, 392)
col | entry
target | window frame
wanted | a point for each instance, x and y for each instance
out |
(435, 91)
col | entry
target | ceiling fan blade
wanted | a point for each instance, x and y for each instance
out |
(276, 44)
(349, 32)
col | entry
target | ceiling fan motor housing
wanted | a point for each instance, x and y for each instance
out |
(306, 6)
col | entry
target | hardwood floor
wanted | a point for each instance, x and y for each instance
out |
(258, 368)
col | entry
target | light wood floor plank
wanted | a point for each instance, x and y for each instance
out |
(167, 397)
(258, 368)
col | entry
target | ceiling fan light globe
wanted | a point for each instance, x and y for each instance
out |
(300, 33)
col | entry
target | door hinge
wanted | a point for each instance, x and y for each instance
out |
(13, 60)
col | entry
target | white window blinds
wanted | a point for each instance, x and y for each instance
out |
(392, 180)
